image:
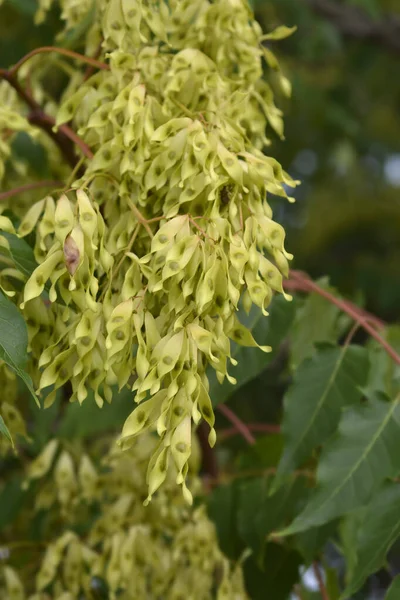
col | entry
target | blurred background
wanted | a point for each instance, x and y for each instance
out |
(342, 141)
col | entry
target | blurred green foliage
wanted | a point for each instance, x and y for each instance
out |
(343, 142)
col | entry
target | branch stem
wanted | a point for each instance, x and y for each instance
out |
(64, 51)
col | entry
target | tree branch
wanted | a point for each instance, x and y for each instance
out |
(353, 22)
(301, 282)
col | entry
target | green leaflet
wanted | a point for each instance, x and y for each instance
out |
(4, 430)
(394, 590)
(278, 575)
(377, 532)
(14, 341)
(323, 385)
(365, 451)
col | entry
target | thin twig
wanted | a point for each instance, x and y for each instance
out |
(237, 423)
(318, 575)
(303, 283)
(29, 186)
(65, 52)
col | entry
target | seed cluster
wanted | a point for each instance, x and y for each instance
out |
(143, 265)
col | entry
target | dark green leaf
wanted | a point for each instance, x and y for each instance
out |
(4, 431)
(322, 386)
(377, 532)
(365, 452)
(270, 331)
(14, 341)
(279, 574)
(222, 508)
(394, 590)
(21, 253)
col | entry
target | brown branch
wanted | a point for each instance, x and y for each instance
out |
(43, 118)
(318, 575)
(353, 22)
(302, 282)
(237, 423)
(70, 53)
(29, 186)
(65, 138)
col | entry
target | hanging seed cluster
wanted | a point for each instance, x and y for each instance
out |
(129, 552)
(142, 266)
